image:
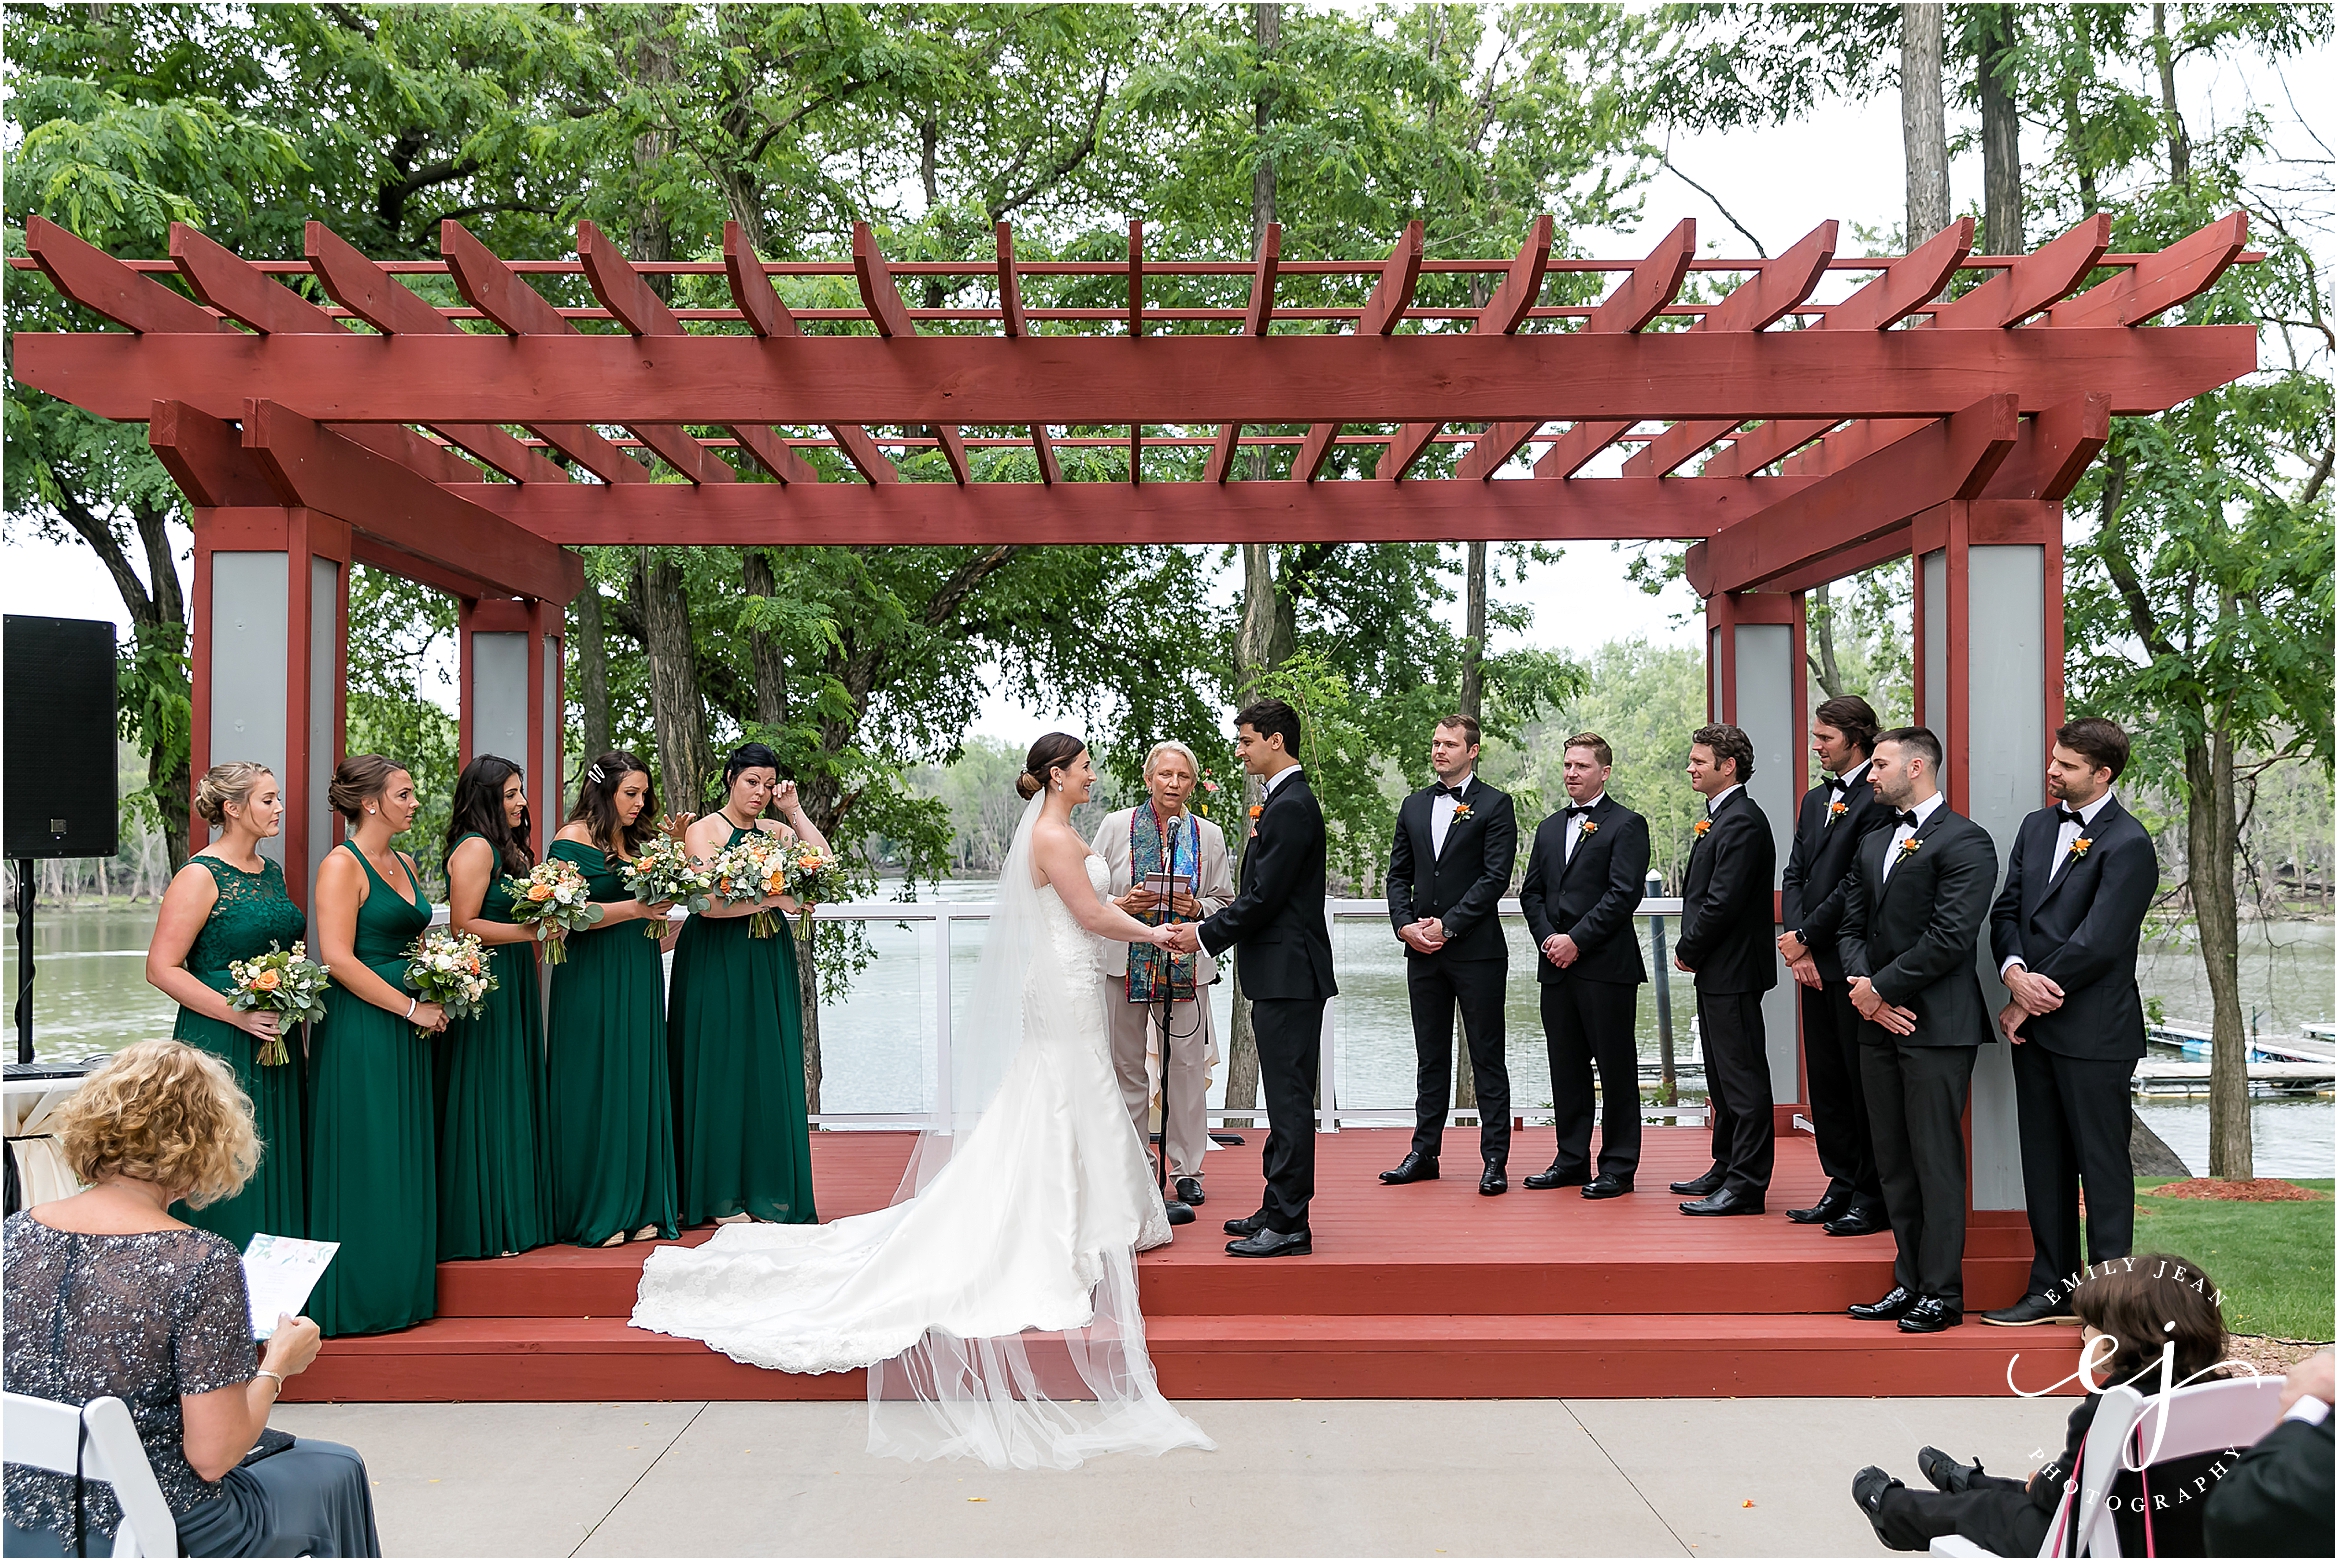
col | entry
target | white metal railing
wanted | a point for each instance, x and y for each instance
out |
(938, 917)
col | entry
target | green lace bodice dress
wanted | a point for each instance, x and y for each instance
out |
(735, 1039)
(373, 1159)
(612, 1113)
(253, 911)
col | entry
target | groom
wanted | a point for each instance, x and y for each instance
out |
(1285, 971)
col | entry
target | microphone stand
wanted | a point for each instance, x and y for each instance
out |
(1180, 1213)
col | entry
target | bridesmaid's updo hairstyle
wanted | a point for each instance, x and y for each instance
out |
(357, 780)
(222, 784)
(1049, 754)
(745, 757)
(596, 803)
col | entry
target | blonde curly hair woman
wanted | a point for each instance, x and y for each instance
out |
(107, 1294)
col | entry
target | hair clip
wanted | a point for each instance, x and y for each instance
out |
(594, 775)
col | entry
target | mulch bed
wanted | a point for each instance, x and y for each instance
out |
(2263, 1189)
(2273, 1357)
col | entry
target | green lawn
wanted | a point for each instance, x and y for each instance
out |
(2272, 1260)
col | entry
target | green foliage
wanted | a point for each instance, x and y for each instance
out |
(157, 717)
(401, 647)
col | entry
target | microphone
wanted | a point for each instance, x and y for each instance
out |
(1170, 851)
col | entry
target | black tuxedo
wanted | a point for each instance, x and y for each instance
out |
(1285, 971)
(1725, 937)
(1589, 1008)
(1462, 886)
(2074, 1069)
(1913, 933)
(1817, 865)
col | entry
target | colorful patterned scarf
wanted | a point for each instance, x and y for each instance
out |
(1149, 966)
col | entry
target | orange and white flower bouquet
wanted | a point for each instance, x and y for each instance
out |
(554, 899)
(281, 981)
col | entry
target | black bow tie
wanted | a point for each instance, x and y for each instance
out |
(1578, 809)
(1910, 818)
(2068, 817)
(1443, 790)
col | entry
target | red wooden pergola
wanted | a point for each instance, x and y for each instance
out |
(1943, 409)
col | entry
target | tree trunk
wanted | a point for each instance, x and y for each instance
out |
(2000, 134)
(1822, 630)
(2213, 830)
(1473, 656)
(1266, 32)
(676, 708)
(808, 984)
(592, 671)
(763, 650)
(1924, 118)
(2179, 139)
(651, 236)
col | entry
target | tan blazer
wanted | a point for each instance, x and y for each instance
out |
(1217, 879)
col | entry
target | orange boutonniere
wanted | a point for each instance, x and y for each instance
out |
(1589, 826)
(1257, 808)
(2078, 846)
(1698, 829)
(1837, 809)
(1461, 811)
(1908, 847)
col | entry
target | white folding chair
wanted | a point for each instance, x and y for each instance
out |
(100, 1441)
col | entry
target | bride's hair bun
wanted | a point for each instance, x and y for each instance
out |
(1047, 755)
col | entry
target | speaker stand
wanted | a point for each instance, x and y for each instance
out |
(23, 959)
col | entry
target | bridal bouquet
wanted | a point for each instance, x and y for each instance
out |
(811, 877)
(754, 869)
(281, 981)
(449, 968)
(665, 873)
(553, 898)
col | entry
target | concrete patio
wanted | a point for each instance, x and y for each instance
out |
(1653, 1477)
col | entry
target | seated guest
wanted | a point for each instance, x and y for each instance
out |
(2276, 1498)
(107, 1295)
(2130, 1308)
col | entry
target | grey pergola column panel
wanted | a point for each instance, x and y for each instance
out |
(326, 691)
(498, 674)
(1755, 663)
(250, 670)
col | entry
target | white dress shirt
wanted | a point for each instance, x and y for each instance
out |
(1267, 787)
(1575, 825)
(1441, 814)
(1904, 830)
(1713, 804)
(2065, 833)
(1842, 785)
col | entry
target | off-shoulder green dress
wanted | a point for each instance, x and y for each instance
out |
(252, 912)
(373, 1159)
(612, 1109)
(735, 1037)
(494, 1173)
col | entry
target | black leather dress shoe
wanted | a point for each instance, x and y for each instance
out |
(1945, 1473)
(2031, 1310)
(1831, 1207)
(1544, 1181)
(1607, 1186)
(1273, 1243)
(1247, 1225)
(1179, 1213)
(1416, 1167)
(1859, 1222)
(1893, 1305)
(1930, 1315)
(1702, 1187)
(1494, 1182)
(1723, 1202)
(1189, 1191)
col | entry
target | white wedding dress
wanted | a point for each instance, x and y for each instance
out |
(995, 1301)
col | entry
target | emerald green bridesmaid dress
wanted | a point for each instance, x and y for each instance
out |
(612, 1111)
(735, 1039)
(373, 1165)
(494, 1177)
(253, 911)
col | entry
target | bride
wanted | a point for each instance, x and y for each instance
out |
(995, 1301)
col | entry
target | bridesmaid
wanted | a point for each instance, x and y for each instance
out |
(373, 1169)
(735, 1031)
(229, 903)
(494, 1179)
(612, 1111)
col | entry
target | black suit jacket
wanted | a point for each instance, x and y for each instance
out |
(1915, 934)
(2080, 928)
(1725, 905)
(2275, 1499)
(1818, 863)
(1278, 915)
(1592, 898)
(1463, 885)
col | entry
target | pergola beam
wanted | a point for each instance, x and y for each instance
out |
(1011, 321)
(766, 315)
(1254, 324)
(892, 317)
(1391, 296)
(1501, 316)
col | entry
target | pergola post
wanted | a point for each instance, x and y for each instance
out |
(271, 613)
(1754, 660)
(1989, 616)
(511, 694)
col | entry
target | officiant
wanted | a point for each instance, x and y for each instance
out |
(1165, 837)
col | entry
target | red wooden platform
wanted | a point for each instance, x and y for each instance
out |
(1428, 1291)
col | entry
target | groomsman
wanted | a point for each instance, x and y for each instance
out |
(1448, 868)
(1725, 924)
(2065, 930)
(1582, 892)
(1912, 915)
(1835, 816)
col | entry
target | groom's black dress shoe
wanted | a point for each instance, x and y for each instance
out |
(1896, 1303)
(1543, 1181)
(1273, 1243)
(1189, 1191)
(1859, 1222)
(1833, 1206)
(1606, 1186)
(1930, 1315)
(1722, 1202)
(1702, 1187)
(1494, 1182)
(1179, 1213)
(2031, 1310)
(1247, 1225)
(1417, 1167)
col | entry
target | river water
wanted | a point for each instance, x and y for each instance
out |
(878, 1042)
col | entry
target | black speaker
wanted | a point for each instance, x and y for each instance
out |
(61, 794)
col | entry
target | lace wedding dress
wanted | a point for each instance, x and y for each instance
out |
(995, 1301)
